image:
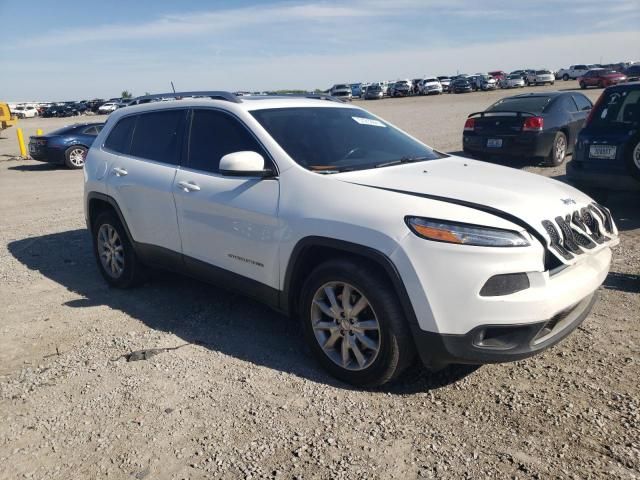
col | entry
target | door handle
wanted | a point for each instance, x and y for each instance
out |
(188, 186)
(121, 172)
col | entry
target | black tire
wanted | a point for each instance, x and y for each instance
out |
(632, 158)
(72, 156)
(582, 85)
(133, 272)
(396, 348)
(557, 155)
(565, 77)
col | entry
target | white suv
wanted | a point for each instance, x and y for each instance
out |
(380, 245)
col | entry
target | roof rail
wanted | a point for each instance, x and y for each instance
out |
(214, 94)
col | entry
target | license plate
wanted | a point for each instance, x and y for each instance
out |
(494, 143)
(603, 151)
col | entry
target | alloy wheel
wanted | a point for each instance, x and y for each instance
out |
(76, 157)
(636, 156)
(345, 326)
(560, 148)
(110, 251)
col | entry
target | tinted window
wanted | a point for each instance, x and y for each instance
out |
(520, 104)
(580, 67)
(92, 130)
(119, 140)
(214, 134)
(157, 136)
(567, 104)
(619, 107)
(329, 139)
(583, 102)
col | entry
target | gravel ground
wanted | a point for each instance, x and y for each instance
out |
(241, 396)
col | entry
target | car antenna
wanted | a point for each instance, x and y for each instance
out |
(172, 87)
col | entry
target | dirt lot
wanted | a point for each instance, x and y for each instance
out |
(242, 398)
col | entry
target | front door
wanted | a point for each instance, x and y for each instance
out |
(227, 222)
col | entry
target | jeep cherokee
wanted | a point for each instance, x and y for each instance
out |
(383, 247)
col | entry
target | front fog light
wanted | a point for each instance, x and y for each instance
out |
(505, 284)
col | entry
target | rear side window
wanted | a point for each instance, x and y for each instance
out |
(158, 136)
(119, 139)
(583, 102)
(567, 104)
(619, 107)
(214, 134)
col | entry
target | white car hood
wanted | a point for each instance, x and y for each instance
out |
(504, 191)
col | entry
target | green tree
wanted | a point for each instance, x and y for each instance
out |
(126, 94)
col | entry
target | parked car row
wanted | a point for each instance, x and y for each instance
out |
(604, 138)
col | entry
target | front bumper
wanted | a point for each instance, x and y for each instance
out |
(500, 343)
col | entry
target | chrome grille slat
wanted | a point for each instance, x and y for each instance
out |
(579, 231)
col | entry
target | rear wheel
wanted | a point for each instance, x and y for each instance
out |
(565, 77)
(354, 325)
(117, 261)
(558, 150)
(74, 156)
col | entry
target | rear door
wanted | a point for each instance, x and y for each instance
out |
(145, 152)
(575, 119)
(229, 222)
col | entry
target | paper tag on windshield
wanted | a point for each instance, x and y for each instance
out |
(369, 121)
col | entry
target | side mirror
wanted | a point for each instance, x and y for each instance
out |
(244, 164)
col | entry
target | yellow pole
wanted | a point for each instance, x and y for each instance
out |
(23, 150)
(39, 132)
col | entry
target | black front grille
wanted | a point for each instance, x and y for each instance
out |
(580, 231)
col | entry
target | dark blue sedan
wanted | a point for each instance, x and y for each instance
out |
(66, 146)
(607, 152)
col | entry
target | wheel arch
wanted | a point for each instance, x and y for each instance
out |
(310, 252)
(100, 202)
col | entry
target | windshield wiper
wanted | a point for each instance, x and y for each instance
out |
(401, 160)
(332, 170)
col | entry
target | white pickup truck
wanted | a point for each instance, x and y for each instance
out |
(573, 72)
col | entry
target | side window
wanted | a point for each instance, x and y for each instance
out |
(119, 139)
(215, 134)
(568, 104)
(158, 136)
(583, 102)
(90, 131)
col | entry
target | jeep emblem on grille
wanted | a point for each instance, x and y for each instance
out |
(568, 201)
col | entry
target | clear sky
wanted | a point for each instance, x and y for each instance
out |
(60, 50)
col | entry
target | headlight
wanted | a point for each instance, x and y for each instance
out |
(464, 233)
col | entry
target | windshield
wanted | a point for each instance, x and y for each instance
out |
(514, 77)
(341, 87)
(543, 72)
(619, 107)
(520, 104)
(327, 139)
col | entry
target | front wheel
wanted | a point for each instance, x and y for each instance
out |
(558, 150)
(354, 324)
(74, 156)
(583, 85)
(633, 159)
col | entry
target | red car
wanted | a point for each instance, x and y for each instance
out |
(498, 75)
(602, 78)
